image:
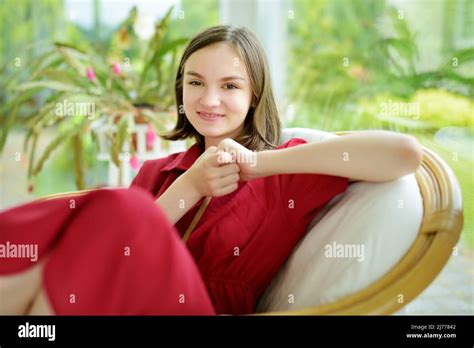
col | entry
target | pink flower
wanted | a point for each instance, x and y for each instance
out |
(31, 186)
(90, 73)
(150, 137)
(135, 163)
(116, 68)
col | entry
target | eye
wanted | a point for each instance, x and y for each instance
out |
(194, 83)
(230, 86)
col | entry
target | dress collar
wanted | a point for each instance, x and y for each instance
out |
(184, 160)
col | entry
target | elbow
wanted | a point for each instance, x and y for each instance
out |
(412, 154)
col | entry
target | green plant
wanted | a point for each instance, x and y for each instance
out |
(71, 89)
(428, 111)
(344, 52)
(403, 79)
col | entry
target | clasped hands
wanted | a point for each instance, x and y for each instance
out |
(219, 169)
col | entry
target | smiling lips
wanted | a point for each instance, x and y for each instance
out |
(209, 116)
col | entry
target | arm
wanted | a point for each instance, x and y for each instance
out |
(368, 155)
(213, 174)
(178, 199)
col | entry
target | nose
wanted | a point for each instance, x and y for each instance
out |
(210, 98)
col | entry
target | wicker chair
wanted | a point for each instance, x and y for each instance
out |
(440, 230)
(441, 225)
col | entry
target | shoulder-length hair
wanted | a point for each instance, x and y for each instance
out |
(262, 127)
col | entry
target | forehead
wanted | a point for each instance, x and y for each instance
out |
(216, 61)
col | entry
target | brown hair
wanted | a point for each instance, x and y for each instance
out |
(262, 125)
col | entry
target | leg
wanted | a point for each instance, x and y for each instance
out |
(41, 305)
(17, 291)
(116, 253)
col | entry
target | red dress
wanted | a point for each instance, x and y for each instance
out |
(108, 252)
(244, 237)
(115, 252)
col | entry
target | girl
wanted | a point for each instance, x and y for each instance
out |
(238, 199)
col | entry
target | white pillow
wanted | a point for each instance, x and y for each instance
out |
(373, 224)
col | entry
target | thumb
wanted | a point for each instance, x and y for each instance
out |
(208, 152)
(224, 157)
(228, 145)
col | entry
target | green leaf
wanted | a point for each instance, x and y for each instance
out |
(157, 119)
(172, 45)
(156, 60)
(43, 61)
(66, 45)
(6, 127)
(118, 140)
(165, 21)
(55, 143)
(463, 56)
(37, 120)
(54, 85)
(153, 46)
(118, 86)
(66, 77)
(19, 99)
(32, 154)
(79, 162)
(72, 60)
(28, 135)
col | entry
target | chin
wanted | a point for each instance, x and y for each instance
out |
(206, 132)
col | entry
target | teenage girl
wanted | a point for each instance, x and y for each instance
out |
(199, 232)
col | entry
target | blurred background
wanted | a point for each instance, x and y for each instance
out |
(86, 86)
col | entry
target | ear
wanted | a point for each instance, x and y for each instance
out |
(252, 107)
(253, 103)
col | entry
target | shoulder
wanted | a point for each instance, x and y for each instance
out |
(151, 170)
(159, 163)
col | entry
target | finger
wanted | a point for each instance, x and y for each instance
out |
(226, 190)
(227, 169)
(219, 158)
(210, 151)
(222, 171)
(224, 157)
(228, 180)
(228, 144)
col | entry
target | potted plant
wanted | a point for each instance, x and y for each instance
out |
(82, 89)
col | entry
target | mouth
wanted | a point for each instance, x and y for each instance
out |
(209, 116)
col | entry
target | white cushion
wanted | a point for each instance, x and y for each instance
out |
(373, 224)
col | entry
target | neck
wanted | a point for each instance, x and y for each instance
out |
(214, 141)
(211, 142)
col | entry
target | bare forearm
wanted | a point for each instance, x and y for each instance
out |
(178, 199)
(367, 155)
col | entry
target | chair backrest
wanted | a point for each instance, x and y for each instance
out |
(310, 135)
(355, 240)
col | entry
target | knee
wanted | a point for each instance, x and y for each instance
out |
(122, 201)
(132, 207)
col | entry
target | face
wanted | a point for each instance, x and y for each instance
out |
(216, 92)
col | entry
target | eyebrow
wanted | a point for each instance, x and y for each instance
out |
(227, 78)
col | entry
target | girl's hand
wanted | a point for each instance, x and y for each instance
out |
(246, 159)
(213, 174)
